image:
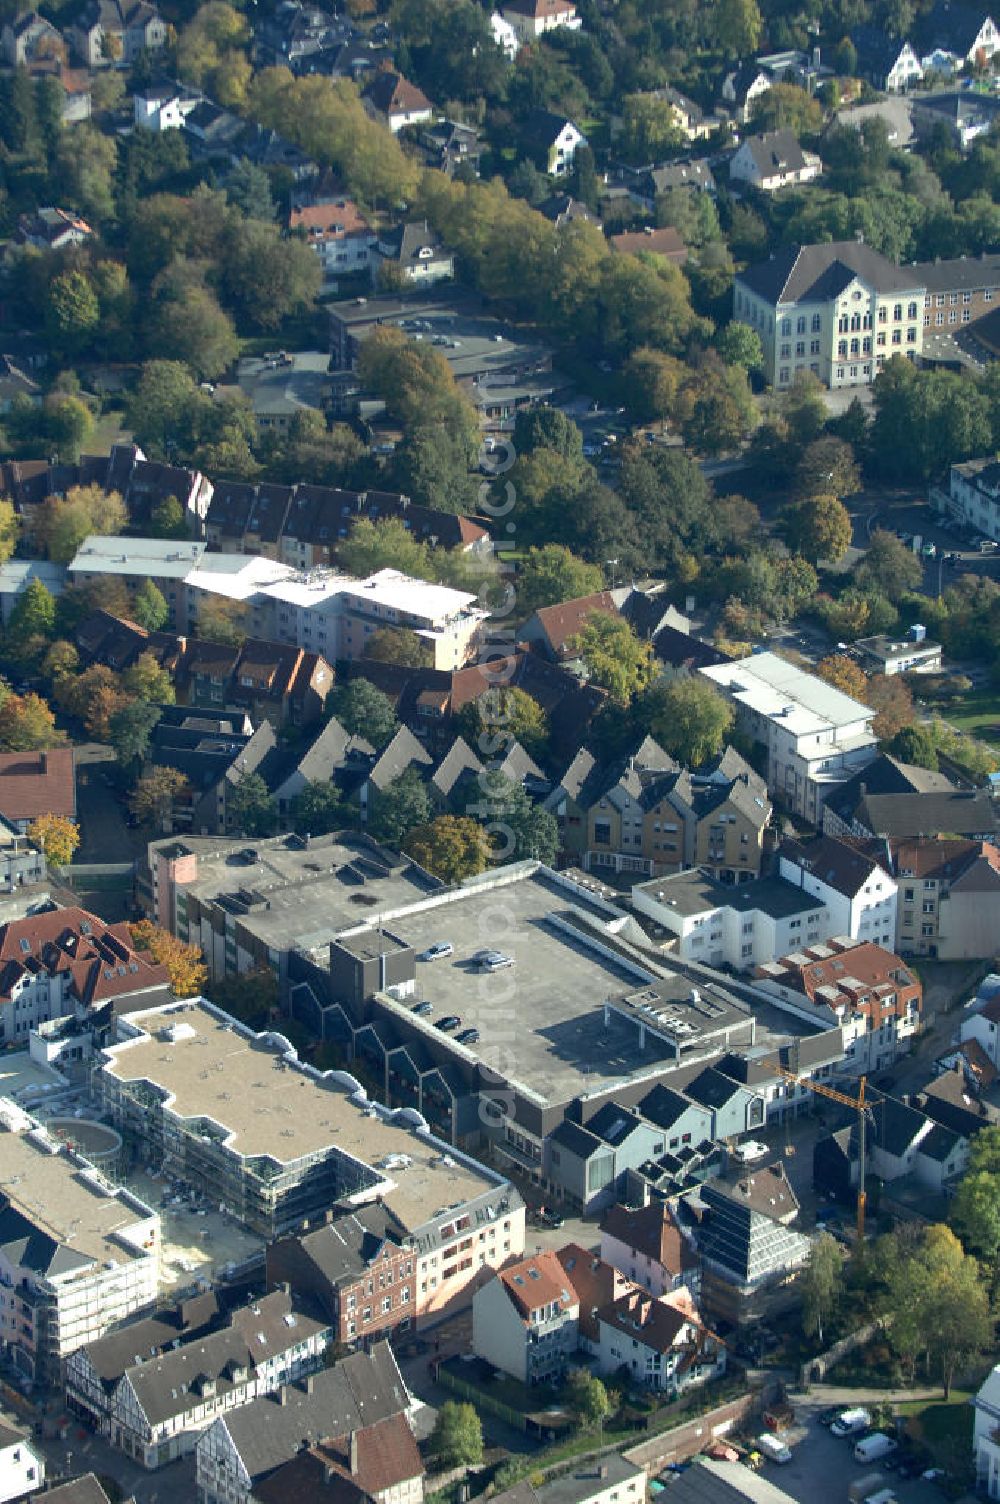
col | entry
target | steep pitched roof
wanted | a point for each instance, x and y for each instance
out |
(961, 812)
(653, 1322)
(835, 863)
(775, 151)
(98, 960)
(392, 94)
(386, 1456)
(560, 624)
(815, 273)
(344, 1248)
(361, 1390)
(537, 1282)
(652, 1231)
(402, 752)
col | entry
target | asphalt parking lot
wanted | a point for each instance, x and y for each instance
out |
(823, 1468)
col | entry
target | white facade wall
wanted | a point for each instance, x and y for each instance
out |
(22, 1470)
(869, 915)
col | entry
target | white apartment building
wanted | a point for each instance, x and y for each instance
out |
(741, 926)
(772, 161)
(860, 897)
(525, 1320)
(22, 1468)
(76, 1255)
(974, 495)
(319, 610)
(839, 311)
(816, 736)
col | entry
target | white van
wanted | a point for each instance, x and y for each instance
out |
(850, 1422)
(872, 1448)
(773, 1449)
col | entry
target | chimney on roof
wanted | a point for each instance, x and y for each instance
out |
(354, 1454)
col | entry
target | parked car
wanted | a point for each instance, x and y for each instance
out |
(468, 1036)
(493, 960)
(450, 1021)
(437, 952)
(874, 1447)
(929, 550)
(422, 1009)
(773, 1449)
(749, 1152)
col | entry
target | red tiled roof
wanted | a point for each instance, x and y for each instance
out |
(539, 1281)
(330, 221)
(663, 242)
(392, 94)
(99, 958)
(539, 9)
(37, 783)
(596, 1282)
(564, 622)
(652, 1322)
(651, 1230)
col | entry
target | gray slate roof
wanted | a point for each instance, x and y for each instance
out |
(816, 273)
(359, 1391)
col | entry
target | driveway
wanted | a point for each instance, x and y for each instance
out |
(100, 808)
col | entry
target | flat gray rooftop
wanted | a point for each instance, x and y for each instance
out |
(541, 1022)
(307, 894)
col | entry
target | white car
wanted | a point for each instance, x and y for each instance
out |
(437, 952)
(750, 1152)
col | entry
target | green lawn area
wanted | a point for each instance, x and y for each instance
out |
(978, 714)
(944, 1426)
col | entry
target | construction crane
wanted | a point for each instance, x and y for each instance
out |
(860, 1104)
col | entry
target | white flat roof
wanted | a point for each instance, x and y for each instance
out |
(389, 588)
(237, 576)
(777, 689)
(165, 558)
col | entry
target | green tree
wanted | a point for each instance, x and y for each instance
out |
(545, 427)
(888, 567)
(399, 808)
(72, 311)
(385, 544)
(821, 1285)
(363, 710)
(975, 1214)
(129, 730)
(739, 345)
(552, 574)
(689, 718)
(63, 522)
(397, 645)
(500, 716)
(150, 608)
(250, 808)
(915, 745)
(519, 829)
(452, 847)
(34, 613)
(827, 467)
(161, 409)
(265, 278)
(457, 1437)
(819, 528)
(184, 322)
(317, 809)
(148, 681)
(249, 188)
(650, 383)
(168, 519)
(614, 657)
(715, 407)
(735, 26)
(9, 529)
(588, 1399)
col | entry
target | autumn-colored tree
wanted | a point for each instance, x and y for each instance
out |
(819, 528)
(56, 836)
(223, 621)
(148, 681)
(9, 527)
(64, 521)
(890, 698)
(154, 796)
(844, 674)
(61, 659)
(452, 847)
(185, 963)
(27, 724)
